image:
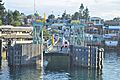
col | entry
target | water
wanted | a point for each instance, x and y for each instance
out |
(19, 73)
(111, 71)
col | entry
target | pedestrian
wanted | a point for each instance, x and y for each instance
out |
(61, 47)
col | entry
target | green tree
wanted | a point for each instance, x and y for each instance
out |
(16, 23)
(81, 10)
(0, 22)
(75, 16)
(66, 16)
(46, 34)
(86, 14)
(2, 9)
(56, 31)
(51, 16)
(4, 18)
(16, 15)
(30, 16)
(9, 17)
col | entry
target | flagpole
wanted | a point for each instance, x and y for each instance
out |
(34, 6)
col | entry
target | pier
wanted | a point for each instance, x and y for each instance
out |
(90, 57)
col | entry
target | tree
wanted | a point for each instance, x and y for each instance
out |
(116, 19)
(30, 16)
(16, 23)
(2, 8)
(4, 18)
(86, 14)
(0, 22)
(81, 9)
(51, 16)
(75, 16)
(9, 17)
(66, 16)
(16, 15)
(46, 34)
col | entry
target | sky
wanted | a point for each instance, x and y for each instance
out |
(106, 9)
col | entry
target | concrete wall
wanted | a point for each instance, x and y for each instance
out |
(23, 54)
(86, 56)
(57, 61)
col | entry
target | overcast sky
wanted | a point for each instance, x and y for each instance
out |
(106, 9)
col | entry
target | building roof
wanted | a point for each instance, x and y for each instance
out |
(12, 28)
(113, 27)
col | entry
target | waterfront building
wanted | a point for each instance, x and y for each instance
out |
(114, 22)
(95, 26)
(112, 36)
(97, 21)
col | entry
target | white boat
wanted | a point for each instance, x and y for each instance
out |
(111, 43)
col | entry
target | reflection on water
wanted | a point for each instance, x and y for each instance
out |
(73, 74)
(111, 71)
(19, 73)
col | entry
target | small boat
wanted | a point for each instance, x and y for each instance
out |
(111, 43)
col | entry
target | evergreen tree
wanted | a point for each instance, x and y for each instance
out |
(66, 16)
(51, 17)
(86, 14)
(16, 15)
(2, 9)
(9, 17)
(75, 16)
(81, 10)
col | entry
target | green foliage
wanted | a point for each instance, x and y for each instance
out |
(10, 19)
(66, 16)
(86, 14)
(0, 22)
(82, 14)
(46, 34)
(16, 23)
(51, 16)
(2, 8)
(56, 31)
(75, 16)
(16, 15)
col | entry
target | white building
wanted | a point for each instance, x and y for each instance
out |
(96, 20)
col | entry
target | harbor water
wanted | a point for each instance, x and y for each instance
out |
(111, 71)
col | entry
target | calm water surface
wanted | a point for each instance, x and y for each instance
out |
(19, 73)
(111, 71)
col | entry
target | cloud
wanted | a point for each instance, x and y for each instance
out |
(104, 8)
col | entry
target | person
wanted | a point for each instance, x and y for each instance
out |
(62, 47)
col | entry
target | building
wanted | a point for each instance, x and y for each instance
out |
(97, 21)
(97, 24)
